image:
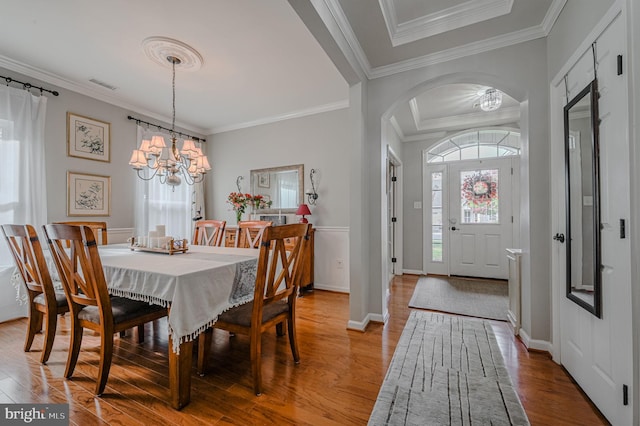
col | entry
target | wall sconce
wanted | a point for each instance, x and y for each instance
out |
(238, 179)
(312, 195)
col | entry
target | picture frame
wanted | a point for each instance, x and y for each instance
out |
(88, 138)
(263, 180)
(88, 194)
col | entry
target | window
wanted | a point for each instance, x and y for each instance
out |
(481, 143)
(161, 204)
(436, 216)
(23, 183)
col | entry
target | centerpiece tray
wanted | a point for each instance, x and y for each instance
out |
(171, 247)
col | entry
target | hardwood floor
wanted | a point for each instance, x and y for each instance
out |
(336, 382)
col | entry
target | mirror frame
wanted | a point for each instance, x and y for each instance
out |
(592, 91)
(296, 167)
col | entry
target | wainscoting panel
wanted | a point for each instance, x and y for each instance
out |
(119, 235)
(332, 258)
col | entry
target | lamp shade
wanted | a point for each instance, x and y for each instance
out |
(303, 210)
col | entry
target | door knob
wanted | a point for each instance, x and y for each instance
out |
(559, 237)
(453, 228)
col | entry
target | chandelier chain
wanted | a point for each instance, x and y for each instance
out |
(173, 105)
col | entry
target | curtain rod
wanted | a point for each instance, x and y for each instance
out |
(27, 86)
(159, 127)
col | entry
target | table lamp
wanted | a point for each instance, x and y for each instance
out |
(303, 210)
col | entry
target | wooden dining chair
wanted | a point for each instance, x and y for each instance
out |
(209, 233)
(99, 229)
(83, 280)
(45, 303)
(249, 233)
(277, 279)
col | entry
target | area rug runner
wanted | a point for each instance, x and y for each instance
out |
(476, 298)
(447, 370)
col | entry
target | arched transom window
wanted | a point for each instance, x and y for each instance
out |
(472, 145)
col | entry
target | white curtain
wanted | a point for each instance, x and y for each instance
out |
(161, 204)
(23, 197)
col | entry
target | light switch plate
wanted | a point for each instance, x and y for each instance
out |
(417, 204)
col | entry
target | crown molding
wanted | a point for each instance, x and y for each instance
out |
(332, 8)
(474, 119)
(425, 136)
(396, 128)
(451, 18)
(338, 26)
(87, 90)
(474, 48)
(552, 15)
(415, 112)
(273, 119)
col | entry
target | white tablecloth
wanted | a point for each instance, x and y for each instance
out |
(197, 285)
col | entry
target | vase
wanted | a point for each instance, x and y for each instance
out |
(238, 216)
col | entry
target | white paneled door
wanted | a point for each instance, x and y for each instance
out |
(480, 219)
(597, 352)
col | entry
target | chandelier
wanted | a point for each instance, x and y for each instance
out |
(172, 165)
(491, 100)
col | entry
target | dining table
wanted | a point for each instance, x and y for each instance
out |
(197, 286)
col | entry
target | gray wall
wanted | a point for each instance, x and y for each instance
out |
(317, 141)
(521, 72)
(577, 19)
(123, 141)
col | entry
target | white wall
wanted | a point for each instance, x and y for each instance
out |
(519, 71)
(319, 142)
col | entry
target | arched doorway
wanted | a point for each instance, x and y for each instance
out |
(412, 218)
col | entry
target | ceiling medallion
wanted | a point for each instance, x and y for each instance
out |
(158, 49)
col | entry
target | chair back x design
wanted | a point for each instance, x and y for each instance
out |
(75, 252)
(250, 232)
(278, 276)
(45, 303)
(99, 229)
(209, 233)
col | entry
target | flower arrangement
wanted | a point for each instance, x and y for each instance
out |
(240, 201)
(258, 202)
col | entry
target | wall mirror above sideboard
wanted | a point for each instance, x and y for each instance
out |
(583, 200)
(283, 186)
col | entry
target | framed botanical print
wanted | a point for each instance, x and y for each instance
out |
(88, 138)
(88, 195)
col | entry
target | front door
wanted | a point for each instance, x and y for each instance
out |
(480, 217)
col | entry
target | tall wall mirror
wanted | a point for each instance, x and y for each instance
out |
(581, 139)
(283, 186)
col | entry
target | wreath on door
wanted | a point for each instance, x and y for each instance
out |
(479, 189)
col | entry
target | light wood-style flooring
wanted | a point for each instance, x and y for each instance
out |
(336, 382)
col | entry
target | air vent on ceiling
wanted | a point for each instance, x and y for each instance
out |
(103, 84)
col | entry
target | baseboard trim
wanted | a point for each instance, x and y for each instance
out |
(412, 272)
(328, 287)
(532, 344)
(362, 325)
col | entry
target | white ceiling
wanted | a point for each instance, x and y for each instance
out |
(261, 64)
